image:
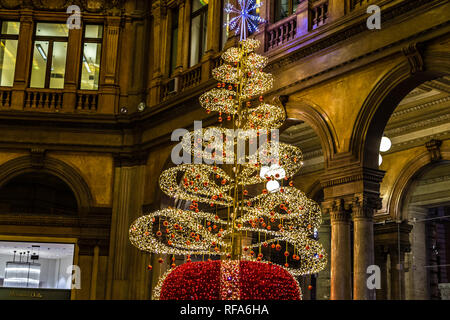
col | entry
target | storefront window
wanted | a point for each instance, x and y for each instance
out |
(36, 265)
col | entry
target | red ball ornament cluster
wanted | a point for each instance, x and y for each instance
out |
(248, 280)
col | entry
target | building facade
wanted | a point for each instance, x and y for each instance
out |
(89, 99)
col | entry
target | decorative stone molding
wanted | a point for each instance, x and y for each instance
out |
(52, 166)
(364, 206)
(414, 56)
(130, 159)
(37, 158)
(339, 211)
(159, 10)
(341, 176)
(434, 148)
(95, 6)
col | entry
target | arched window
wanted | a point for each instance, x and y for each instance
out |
(37, 193)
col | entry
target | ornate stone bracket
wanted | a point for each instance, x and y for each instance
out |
(414, 56)
(434, 148)
(37, 158)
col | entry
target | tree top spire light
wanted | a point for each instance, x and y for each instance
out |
(246, 19)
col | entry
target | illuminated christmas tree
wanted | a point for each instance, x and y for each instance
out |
(227, 207)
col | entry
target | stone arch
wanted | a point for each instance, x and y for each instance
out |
(313, 115)
(58, 168)
(379, 105)
(401, 186)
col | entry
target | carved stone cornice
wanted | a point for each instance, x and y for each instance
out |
(391, 235)
(352, 173)
(113, 7)
(130, 159)
(414, 56)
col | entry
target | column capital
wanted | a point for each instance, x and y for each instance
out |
(159, 10)
(338, 210)
(364, 206)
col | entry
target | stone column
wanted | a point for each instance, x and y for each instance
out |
(416, 277)
(323, 280)
(397, 273)
(23, 59)
(108, 85)
(94, 273)
(159, 13)
(74, 47)
(123, 268)
(341, 286)
(363, 251)
(381, 262)
(336, 9)
(181, 26)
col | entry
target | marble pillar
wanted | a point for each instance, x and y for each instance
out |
(362, 214)
(341, 285)
(416, 277)
(323, 283)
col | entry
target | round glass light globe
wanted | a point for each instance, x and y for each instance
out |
(380, 159)
(272, 185)
(385, 144)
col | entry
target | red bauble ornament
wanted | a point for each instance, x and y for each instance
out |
(229, 280)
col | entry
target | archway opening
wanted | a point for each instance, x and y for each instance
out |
(416, 131)
(37, 193)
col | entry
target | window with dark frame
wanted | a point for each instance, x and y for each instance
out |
(285, 8)
(199, 21)
(174, 41)
(91, 57)
(225, 19)
(49, 55)
(9, 37)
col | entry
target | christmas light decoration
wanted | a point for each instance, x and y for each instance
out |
(244, 20)
(228, 280)
(221, 213)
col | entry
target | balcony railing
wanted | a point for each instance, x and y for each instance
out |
(319, 14)
(87, 101)
(5, 97)
(281, 32)
(43, 99)
(191, 78)
(185, 80)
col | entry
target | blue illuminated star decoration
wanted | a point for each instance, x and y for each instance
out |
(245, 20)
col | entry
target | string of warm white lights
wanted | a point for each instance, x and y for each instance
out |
(282, 218)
